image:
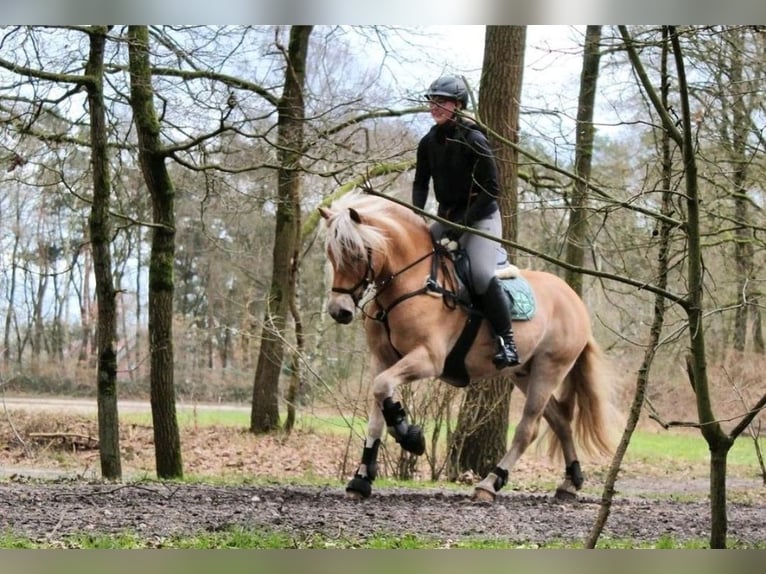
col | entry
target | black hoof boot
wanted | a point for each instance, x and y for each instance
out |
(414, 441)
(410, 437)
(359, 487)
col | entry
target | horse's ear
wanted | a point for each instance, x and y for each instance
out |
(355, 217)
(324, 212)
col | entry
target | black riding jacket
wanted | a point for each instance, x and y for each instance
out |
(457, 157)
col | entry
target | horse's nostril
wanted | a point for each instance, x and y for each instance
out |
(344, 317)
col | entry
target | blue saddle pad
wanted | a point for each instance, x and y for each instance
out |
(524, 305)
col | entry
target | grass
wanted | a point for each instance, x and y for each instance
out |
(189, 416)
(673, 446)
(673, 451)
(679, 447)
(241, 538)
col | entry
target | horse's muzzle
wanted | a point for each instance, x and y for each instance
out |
(341, 309)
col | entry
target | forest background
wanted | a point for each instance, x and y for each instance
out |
(159, 234)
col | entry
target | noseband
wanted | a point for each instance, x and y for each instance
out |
(362, 284)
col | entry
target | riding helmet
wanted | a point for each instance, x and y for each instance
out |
(449, 87)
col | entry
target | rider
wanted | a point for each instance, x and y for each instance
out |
(456, 155)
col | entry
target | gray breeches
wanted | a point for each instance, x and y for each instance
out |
(483, 253)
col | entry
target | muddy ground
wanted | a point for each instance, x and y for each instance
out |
(51, 511)
(50, 490)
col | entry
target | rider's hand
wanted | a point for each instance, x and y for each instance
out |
(440, 231)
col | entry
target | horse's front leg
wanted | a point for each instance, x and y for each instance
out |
(416, 365)
(413, 366)
(360, 486)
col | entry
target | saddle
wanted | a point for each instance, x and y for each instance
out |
(521, 301)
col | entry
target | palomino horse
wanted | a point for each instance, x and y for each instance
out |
(383, 251)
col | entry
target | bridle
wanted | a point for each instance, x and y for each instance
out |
(431, 286)
(363, 283)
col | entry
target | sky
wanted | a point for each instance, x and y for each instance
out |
(461, 48)
(400, 12)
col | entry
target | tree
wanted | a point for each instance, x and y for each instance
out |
(658, 321)
(100, 239)
(50, 250)
(577, 229)
(719, 441)
(732, 58)
(290, 125)
(481, 436)
(167, 441)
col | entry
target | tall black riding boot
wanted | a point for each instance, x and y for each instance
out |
(496, 303)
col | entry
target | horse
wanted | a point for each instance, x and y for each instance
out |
(384, 262)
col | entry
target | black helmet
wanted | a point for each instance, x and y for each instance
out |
(449, 87)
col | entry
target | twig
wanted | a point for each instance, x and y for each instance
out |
(27, 450)
(50, 534)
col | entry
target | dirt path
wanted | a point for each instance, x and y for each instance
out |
(51, 511)
(653, 502)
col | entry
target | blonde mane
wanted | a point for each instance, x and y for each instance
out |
(348, 241)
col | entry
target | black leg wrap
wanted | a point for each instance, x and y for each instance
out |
(574, 474)
(410, 437)
(393, 412)
(502, 478)
(370, 459)
(361, 484)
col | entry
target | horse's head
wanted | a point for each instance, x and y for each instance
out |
(362, 233)
(350, 247)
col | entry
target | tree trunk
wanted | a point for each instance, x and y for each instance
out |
(743, 232)
(85, 305)
(11, 288)
(480, 438)
(719, 452)
(295, 387)
(264, 415)
(100, 240)
(481, 435)
(577, 230)
(167, 443)
(718, 442)
(758, 340)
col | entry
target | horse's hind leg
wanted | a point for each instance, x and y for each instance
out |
(538, 392)
(561, 424)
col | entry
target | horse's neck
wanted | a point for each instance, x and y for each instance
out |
(408, 263)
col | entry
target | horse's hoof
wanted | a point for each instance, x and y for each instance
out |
(483, 495)
(414, 441)
(358, 488)
(566, 495)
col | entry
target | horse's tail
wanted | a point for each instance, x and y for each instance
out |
(586, 401)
